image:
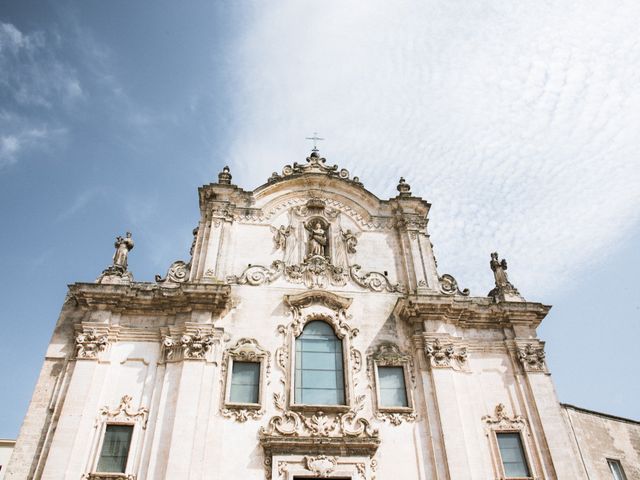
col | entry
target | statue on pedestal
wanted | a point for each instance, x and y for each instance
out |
(117, 272)
(317, 240)
(504, 290)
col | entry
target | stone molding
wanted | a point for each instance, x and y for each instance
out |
(246, 350)
(469, 312)
(445, 354)
(290, 466)
(109, 476)
(151, 298)
(532, 357)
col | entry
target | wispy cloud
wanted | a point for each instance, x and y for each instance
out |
(518, 121)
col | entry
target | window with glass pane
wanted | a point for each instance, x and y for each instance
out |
(319, 376)
(393, 391)
(245, 382)
(616, 469)
(512, 453)
(115, 449)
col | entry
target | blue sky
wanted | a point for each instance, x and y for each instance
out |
(518, 121)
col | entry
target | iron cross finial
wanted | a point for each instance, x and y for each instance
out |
(315, 139)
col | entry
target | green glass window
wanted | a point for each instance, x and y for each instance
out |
(115, 449)
(245, 382)
(512, 454)
(393, 391)
(319, 374)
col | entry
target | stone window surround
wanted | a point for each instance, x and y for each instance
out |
(397, 359)
(246, 350)
(527, 456)
(122, 415)
(346, 365)
(293, 467)
(501, 423)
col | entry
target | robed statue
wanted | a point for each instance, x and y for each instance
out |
(317, 244)
(123, 246)
(504, 290)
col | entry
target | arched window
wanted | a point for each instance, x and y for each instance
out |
(319, 376)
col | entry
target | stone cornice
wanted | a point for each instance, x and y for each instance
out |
(152, 298)
(471, 312)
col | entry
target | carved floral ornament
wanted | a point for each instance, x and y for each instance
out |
(90, 343)
(124, 412)
(532, 357)
(501, 420)
(321, 466)
(245, 350)
(445, 355)
(190, 346)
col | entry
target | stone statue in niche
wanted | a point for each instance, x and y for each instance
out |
(123, 246)
(317, 243)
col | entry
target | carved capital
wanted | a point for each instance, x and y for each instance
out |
(532, 357)
(444, 355)
(89, 344)
(189, 346)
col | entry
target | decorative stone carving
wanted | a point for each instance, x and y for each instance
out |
(194, 346)
(317, 244)
(500, 419)
(315, 272)
(404, 188)
(117, 272)
(224, 177)
(178, 273)
(445, 355)
(388, 354)
(532, 357)
(350, 240)
(319, 424)
(90, 343)
(124, 412)
(504, 291)
(449, 286)
(321, 466)
(281, 237)
(245, 350)
(374, 281)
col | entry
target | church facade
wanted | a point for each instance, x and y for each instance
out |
(309, 335)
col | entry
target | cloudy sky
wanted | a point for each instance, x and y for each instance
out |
(518, 121)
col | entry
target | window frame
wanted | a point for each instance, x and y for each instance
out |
(103, 433)
(246, 350)
(124, 414)
(388, 354)
(346, 367)
(618, 462)
(525, 453)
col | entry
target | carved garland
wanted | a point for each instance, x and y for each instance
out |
(245, 350)
(315, 272)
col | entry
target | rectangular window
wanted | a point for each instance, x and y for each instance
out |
(393, 391)
(245, 382)
(115, 449)
(616, 469)
(512, 454)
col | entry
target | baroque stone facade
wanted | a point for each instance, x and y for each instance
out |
(203, 367)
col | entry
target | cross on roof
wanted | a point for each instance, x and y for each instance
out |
(315, 139)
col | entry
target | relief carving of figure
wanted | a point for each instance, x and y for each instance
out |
(280, 236)
(123, 246)
(317, 244)
(350, 241)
